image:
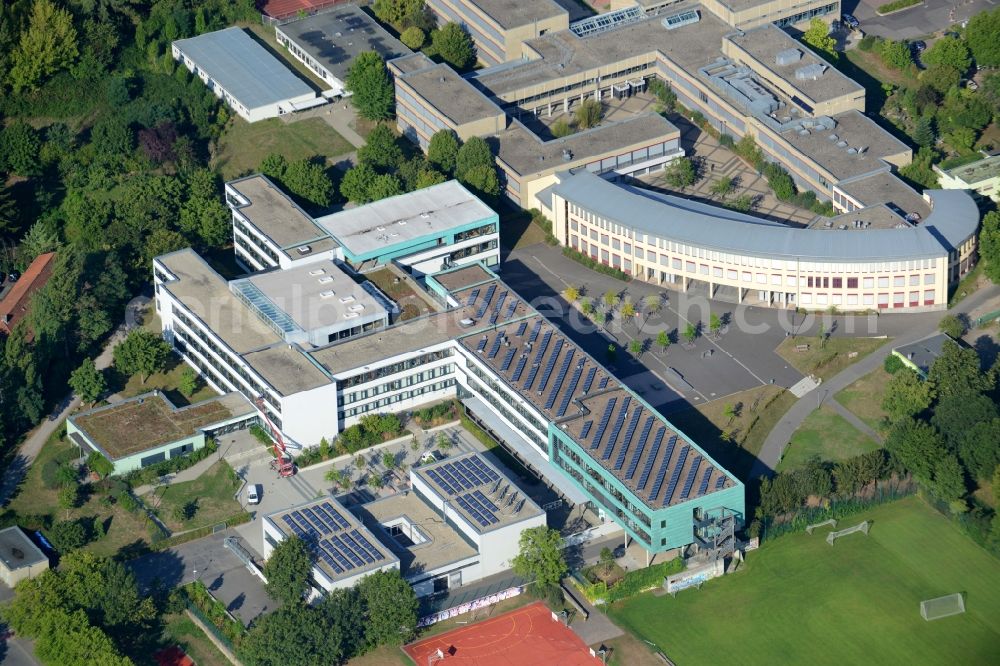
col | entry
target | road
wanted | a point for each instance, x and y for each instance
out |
(920, 21)
(774, 446)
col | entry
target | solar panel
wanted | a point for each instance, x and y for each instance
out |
(560, 378)
(473, 295)
(521, 328)
(617, 427)
(325, 517)
(674, 476)
(486, 301)
(703, 487)
(531, 377)
(573, 381)
(510, 308)
(507, 359)
(603, 424)
(481, 472)
(603, 383)
(484, 468)
(521, 362)
(496, 346)
(440, 480)
(689, 481)
(356, 547)
(493, 318)
(721, 482)
(483, 510)
(534, 331)
(367, 545)
(586, 429)
(648, 467)
(550, 364)
(336, 515)
(500, 301)
(587, 383)
(346, 550)
(482, 344)
(627, 441)
(485, 501)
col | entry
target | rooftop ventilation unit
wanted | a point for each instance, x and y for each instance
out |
(841, 144)
(357, 307)
(329, 293)
(567, 155)
(810, 72)
(788, 56)
(833, 137)
(351, 315)
(317, 271)
(804, 132)
(305, 249)
(862, 150)
(678, 20)
(326, 279)
(347, 299)
(852, 151)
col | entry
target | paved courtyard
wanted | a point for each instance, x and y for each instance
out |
(919, 22)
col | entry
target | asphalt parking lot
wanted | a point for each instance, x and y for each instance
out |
(920, 21)
(710, 369)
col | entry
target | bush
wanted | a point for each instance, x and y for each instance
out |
(581, 258)
(868, 43)
(99, 465)
(727, 141)
(413, 37)
(128, 502)
(50, 474)
(896, 5)
(893, 364)
(68, 535)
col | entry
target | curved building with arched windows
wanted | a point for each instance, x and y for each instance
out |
(870, 258)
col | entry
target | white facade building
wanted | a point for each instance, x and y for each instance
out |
(251, 81)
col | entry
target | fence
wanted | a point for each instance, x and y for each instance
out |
(986, 318)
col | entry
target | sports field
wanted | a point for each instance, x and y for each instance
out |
(527, 636)
(801, 601)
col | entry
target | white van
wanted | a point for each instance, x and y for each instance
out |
(253, 495)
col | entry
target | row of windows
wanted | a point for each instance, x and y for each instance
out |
(255, 240)
(420, 117)
(473, 250)
(479, 28)
(899, 299)
(397, 384)
(580, 215)
(394, 368)
(598, 489)
(473, 233)
(394, 398)
(492, 395)
(247, 253)
(585, 84)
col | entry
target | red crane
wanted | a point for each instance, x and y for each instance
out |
(282, 462)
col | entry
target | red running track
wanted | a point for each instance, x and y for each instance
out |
(286, 8)
(524, 637)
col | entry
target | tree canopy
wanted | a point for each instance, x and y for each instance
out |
(88, 382)
(981, 34)
(372, 91)
(950, 52)
(474, 152)
(381, 150)
(49, 44)
(817, 35)
(141, 353)
(288, 571)
(390, 608)
(540, 556)
(454, 45)
(443, 150)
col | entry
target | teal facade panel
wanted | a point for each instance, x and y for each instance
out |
(394, 251)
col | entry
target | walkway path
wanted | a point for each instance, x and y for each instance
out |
(774, 446)
(853, 419)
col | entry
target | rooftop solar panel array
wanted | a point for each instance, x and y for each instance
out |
(560, 378)
(674, 476)
(331, 538)
(570, 390)
(617, 427)
(689, 481)
(553, 357)
(603, 425)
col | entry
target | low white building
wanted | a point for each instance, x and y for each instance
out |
(981, 176)
(241, 72)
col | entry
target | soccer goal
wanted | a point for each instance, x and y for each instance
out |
(860, 527)
(935, 609)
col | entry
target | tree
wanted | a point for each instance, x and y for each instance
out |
(372, 91)
(652, 303)
(917, 446)
(307, 180)
(99, 465)
(390, 608)
(473, 153)
(397, 12)
(722, 187)
(635, 347)
(989, 243)
(295, 634)
(483, 180)
(607, 560)
(288, 571)
(981, 35)
(666, 98)
(428, 178)
(384, 186)
(956, 371)
(88, 382)
(956, 415)
(540, 557)
(681, 173)
(589, 114)
(68, 535)
(141, 353)
(41, 238)
(381, 150)
(443, 150)
(571, 293)
(203, 214)
(663, 341)
(714, 324)
(187, 384)
(961, 139)
(628, 309)
(818, 37)
(356, 185)
(19, 146)
(949, 481)
(273, 166)
(948, 51)
(743, 203)
(8, 211)
(47, 46)
(413, 37)
(388, 460)
(894, 54)
(979, 448)
(690, 333)
(951, 326)
(454, 45)
(923, 132)
(561, 128)
(906, 396)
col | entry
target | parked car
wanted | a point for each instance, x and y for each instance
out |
(253, 494)
(851, 22)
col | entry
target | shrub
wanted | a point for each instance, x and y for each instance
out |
(727, 141)
(893, 364)
(128, 502)
(68, 535)
(99, 465)
(579, 257)
(50, 474)
(868, 43)
(413, 37)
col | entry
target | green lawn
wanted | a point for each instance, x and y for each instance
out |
(243, 146)
(180, 630)
(826, 359)
(864, 397)
(800, 601)
(213, 492)
(828, 435)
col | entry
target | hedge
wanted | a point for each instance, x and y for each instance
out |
(192, 535)
(897, 5)
(631, 584)
(581, 258)
(214, 612)
(150, 474)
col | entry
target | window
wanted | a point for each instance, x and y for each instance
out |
(869, 283)
(914, 280)
(929, 297)
(689, 266)
(929, 278)
(899, 281)
(883, 282)
(747, 276)
(852, 283)
(838, 283)
(869, 299)
(807, 299)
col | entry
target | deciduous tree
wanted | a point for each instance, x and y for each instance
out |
(390, 608)
(141, 353)
(372, 91)
(443, 150)
(46, 46)
(540, 556)
(473, 153)
(588, 114)
(981, 35)
(681, 173)
(88, 382)
(381, 150)
(454, 45)
(949, 51)
(906, 395)
(817, 35)
(288, 571)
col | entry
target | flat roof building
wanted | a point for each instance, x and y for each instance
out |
(148, 428)
(20, 558)
(981, 176)
(242, 73)
(328, 42)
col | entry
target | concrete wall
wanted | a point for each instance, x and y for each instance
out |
(12, 578)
